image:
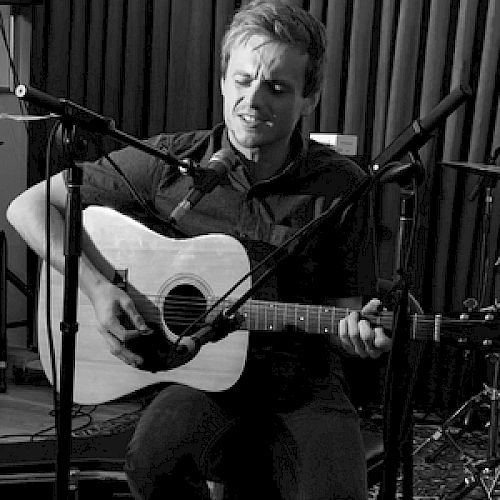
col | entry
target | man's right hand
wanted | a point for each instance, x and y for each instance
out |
(110, 303)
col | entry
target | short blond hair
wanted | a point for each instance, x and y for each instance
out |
(284, 23)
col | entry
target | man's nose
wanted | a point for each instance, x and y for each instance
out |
(255, 94)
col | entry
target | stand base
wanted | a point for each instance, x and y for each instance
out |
(480, 472)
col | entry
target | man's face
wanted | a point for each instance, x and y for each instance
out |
(263, 93)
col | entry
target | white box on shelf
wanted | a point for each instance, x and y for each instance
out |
(342, 143)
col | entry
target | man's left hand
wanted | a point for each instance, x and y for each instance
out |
(360, 336)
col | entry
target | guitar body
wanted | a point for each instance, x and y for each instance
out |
(153, 268)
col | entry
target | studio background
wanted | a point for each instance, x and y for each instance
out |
(153, 66)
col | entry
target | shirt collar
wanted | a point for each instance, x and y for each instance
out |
(293, 165)
(298, 152)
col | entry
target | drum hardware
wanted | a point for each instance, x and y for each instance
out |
(483, 472)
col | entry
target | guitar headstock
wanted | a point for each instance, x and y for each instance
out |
(478, 329)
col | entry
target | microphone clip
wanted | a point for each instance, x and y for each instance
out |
(403, 173)
(225, 323)
(187, 167)
(222, 325)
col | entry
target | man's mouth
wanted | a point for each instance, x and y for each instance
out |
(254, 120)
(251, 119)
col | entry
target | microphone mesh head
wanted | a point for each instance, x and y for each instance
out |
(222, 160)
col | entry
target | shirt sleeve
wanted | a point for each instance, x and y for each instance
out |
(103, 184)
(344, 246)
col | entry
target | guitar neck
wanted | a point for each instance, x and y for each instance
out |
(465, 331)
(275, 316)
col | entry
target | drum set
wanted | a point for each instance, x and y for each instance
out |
(482, 471)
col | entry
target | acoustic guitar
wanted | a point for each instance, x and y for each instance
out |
(172, 282)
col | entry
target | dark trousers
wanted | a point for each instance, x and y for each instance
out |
(186, 436)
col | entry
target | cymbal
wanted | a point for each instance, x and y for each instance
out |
(475, 168)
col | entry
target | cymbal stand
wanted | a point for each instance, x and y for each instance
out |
(489, 183)
(480, 472)
(483, 472)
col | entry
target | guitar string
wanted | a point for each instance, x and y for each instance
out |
(337, 311)
(286, 312)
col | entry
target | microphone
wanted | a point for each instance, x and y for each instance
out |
(90, 120)
(204, 181)
(83, 117)
(419, 132)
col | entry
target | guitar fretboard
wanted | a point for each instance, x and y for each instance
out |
(275, 316)
(271, 316)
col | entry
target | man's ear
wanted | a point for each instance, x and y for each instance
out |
(222, 85)
(310, 103)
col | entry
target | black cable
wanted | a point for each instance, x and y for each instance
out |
(80, 411)
(416, 216)
(11, 62)
(280, 252)
(48, 310)
(142, 202)
(147, 209)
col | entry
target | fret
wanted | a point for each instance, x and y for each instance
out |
(307, 318)
(262, 316)
(246, 319)
(247, 314)
(270, 323)
(313, 325)
(300, 317)
(280, 316)
(323, 315)
(256, 315)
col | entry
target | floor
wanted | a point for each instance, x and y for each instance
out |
(28, 442)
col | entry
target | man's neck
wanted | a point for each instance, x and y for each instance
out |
(266, 161)
(267, 164)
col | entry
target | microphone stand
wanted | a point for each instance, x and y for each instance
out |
(69, 324)
(75, 115)
(398, 425)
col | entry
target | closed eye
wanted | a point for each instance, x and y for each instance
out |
(242, 81)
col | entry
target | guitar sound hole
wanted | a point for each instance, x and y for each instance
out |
(183, 305)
